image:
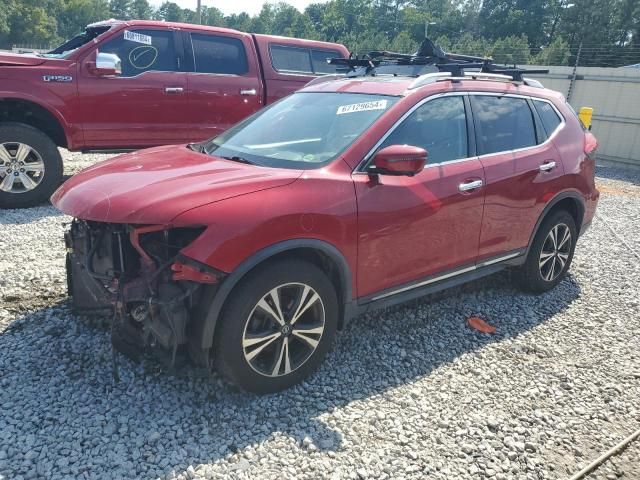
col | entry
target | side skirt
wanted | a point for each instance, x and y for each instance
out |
(435, 283)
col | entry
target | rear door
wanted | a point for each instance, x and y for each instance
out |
(224, 84)
(522, 168)
(411, 228)
(145, 105)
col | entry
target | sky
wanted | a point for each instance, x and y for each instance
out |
(252, 7)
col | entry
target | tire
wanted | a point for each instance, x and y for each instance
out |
(251, 346)
(547, 265)
(40, 166)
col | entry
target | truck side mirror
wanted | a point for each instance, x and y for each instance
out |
(106, 65)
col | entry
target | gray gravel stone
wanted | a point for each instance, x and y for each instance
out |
(409, 392)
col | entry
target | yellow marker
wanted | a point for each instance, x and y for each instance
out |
(585, 116)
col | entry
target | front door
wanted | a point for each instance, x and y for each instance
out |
(410, 228)
(147, 104)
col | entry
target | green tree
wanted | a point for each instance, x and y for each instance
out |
(170, 12)
(121, 9)
(74, 15)
(556, 53)
(141, 10)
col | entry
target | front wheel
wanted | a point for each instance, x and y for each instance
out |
(550, 254)
(277, 327)
(30, 166)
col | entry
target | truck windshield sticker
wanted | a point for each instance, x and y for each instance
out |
(361, 107)
(137, 37)
(143, 57)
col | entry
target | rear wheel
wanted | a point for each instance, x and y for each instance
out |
(30, 166)
(550, 254)
(277, 327)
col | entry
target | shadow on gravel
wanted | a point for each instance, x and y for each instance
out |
(61, 413)
(630, 174)
(22, 216)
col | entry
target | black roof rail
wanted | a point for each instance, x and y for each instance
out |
(428, 59)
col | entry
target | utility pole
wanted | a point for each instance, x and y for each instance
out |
(426, 28)
(199, 9)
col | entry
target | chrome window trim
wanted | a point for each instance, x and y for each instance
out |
(361, 167)
(525, 97)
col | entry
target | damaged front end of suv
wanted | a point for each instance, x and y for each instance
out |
(138, 273)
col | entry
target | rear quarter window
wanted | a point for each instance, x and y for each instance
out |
(550, 119)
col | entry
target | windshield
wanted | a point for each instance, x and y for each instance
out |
(64, 50)
(302, 131)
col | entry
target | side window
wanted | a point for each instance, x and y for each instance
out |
(290, 59)
(143, 51)
(439, 126)
(548, 115)
(319, 60)
(503, 123)
(217, 54)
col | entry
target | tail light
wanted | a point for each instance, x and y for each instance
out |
(590, 145)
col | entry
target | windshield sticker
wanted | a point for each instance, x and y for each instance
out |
(361, 107)
(137, 37)
(143, 57)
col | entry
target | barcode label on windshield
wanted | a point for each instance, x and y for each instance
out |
(137, 37)
(361, 107)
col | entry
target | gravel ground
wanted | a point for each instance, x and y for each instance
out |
(410, 392)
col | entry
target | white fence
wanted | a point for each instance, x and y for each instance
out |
(614, 95)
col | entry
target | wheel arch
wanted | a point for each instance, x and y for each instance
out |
(322, 254)
(32, 113)
(570, 201)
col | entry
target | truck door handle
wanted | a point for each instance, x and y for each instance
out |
(251, 91)
(547, 166)
(173, 90)
(468, 186)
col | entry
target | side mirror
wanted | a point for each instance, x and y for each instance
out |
(399, 160)
(106, 65)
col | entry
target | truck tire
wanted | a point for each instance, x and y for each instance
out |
(30, 166)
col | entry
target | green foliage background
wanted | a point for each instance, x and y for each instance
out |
(512, 31)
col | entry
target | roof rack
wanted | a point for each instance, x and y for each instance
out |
(429, 61)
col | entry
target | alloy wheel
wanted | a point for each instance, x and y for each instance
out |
(21, 167)
(555, 252)
(283, 329)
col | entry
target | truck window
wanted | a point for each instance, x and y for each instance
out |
(217, 54)
(143, 51)
(319, 60)
(290, 59)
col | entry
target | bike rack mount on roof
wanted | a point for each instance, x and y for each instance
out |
(429, 58)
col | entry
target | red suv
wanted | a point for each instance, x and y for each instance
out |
(253, 248)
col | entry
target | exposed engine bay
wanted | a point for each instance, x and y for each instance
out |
(138, 274)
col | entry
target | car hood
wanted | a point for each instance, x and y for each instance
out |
(20, 60)
(154, 186)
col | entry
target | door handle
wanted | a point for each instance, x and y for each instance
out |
(172, 90)
(547, 166)
(468, 186)
(251, 91)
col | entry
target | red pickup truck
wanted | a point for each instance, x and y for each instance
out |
(125, 85)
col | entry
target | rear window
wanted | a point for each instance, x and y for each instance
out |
(548, 115)
(218, 54)
(503, 123)
(302, 60)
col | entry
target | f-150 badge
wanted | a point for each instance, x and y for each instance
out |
(57, 78)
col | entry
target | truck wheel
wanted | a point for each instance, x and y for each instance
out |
(277, 327)
(30, 166)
